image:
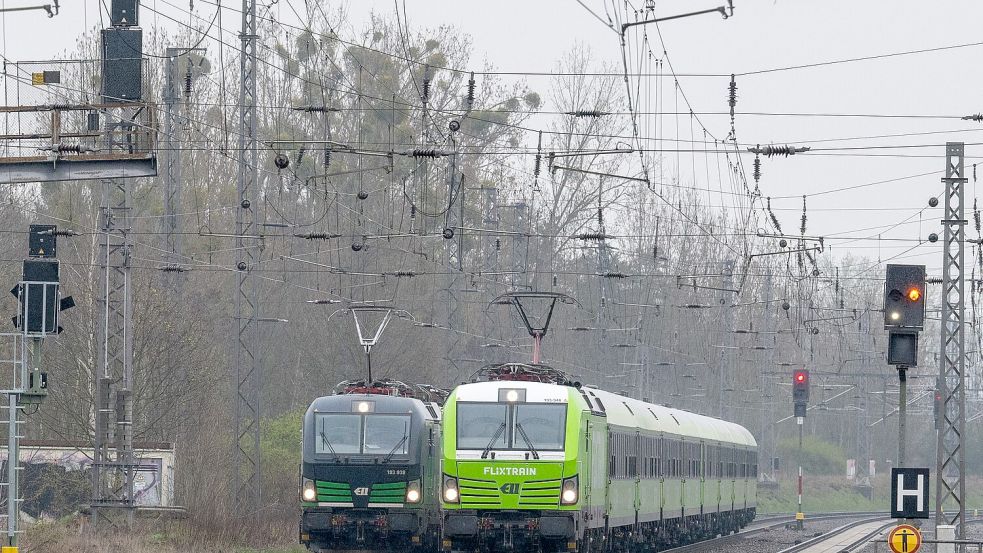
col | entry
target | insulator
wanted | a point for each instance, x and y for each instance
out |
(300, 154)
(976, 216)
(471, 91)
(732, 94)
(315, 109)
(412, 211)
(978, 117)
(426, 152)
(173, 269)
(757, 168)
(592, 113)
(68, 148)
(318, 236)
(498, 244)
(426, 84)
(772, 150)
(774, 219)
(399, 274)
(187, 82)
(592, 236)
(327, 157)
(611, 274)
(803, 229)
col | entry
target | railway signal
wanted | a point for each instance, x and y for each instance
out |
(800, 391)
(904, 297)
(904, 318)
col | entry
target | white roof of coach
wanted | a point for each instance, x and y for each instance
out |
(630, 412)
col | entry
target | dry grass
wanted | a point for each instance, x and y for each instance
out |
(76, 536)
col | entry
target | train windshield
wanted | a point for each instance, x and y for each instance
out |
(478, 423)
(371, 434)
(386, 434)
(338, 434)
(543, 425)
(524, 426)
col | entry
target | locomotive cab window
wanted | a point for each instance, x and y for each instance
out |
(522, 426)
(338, 434)
(368, 434)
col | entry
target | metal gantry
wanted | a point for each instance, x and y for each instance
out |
(248, 372)
(950, 488)
(113, 461)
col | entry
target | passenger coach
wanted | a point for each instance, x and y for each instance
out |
(531, 465)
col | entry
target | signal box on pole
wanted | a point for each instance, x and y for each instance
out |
(904, 297)
(800, 392)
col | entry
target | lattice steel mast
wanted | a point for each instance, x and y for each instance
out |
(173, 129)
(113, 463)
(248, 373)
(950, 487)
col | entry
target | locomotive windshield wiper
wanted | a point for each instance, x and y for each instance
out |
(525, 438)
(327, 442)
(392, 452)
(491, 442)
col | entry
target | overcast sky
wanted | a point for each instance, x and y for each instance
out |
(529, 36)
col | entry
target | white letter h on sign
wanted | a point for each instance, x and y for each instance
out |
(907, 492)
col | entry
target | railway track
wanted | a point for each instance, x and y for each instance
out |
(766, 524)
(845, 539)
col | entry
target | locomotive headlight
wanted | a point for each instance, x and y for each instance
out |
(451, 493)
(413, 492)
(308, 491)
(569, 491)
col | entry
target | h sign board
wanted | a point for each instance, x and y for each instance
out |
(909, 493)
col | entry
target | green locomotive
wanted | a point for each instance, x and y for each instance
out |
(531, 463)
(369, 476)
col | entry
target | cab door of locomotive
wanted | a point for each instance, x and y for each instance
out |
(595, 466)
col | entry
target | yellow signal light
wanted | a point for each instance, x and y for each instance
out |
(914, 294)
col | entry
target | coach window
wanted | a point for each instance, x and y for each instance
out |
(677, 458)
(611, 455)
(702, 464)
(672, 459)
(666, 455)
(658, 457)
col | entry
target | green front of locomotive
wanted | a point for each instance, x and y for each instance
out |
(369, 476)
(516, 468)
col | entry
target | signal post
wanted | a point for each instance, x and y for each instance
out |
(904, 318)
(40, 302)
(800, 401)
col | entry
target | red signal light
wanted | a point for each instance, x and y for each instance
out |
(914, 294)
(800, 377)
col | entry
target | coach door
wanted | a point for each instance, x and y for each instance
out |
(595, 464)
